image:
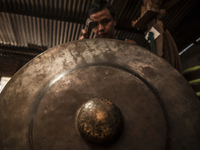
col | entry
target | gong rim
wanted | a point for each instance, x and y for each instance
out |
(55, 63)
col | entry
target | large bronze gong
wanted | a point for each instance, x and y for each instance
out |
(99, 94)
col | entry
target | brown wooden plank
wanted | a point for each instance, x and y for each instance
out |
(170, 48)
(165, 49)
(159, 40)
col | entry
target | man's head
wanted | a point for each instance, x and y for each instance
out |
(103, 13)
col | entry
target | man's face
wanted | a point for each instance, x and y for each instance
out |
(106, 24)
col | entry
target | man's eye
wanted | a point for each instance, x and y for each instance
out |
(106, 21)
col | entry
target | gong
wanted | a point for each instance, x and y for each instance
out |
(99, 94)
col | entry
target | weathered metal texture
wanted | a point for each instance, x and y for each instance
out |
(99, 121)
(39, 105)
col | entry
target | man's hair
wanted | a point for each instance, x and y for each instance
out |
(99, 5)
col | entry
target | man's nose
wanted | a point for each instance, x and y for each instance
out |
(101, 27)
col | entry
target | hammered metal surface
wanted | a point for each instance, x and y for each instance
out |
(38, 106)
(99, 121)
(144, 121)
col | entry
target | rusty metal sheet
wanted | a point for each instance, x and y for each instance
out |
(40, 104)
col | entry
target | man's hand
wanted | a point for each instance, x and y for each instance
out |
(131, 41)
(84, 34)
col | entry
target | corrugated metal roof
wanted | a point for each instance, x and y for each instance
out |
(19, 29)
(47, 23)
(176, 14)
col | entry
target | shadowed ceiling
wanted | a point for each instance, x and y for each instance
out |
(29, 27)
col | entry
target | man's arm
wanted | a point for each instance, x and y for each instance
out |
(84, 34)
(130, 41)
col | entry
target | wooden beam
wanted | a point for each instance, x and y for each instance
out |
(17, 56)
(20, 50)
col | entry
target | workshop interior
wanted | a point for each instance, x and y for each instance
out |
(28, 28)
(55, 89)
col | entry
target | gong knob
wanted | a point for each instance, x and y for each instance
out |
(99, 121)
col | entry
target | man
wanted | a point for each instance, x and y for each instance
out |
(103, 14)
